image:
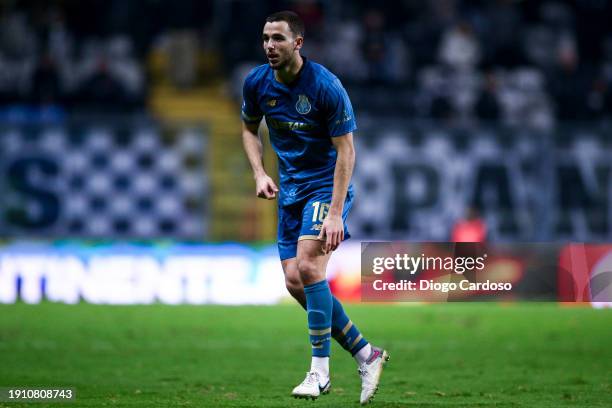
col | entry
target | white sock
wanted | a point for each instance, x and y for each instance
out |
(320, 365)
(363, 354)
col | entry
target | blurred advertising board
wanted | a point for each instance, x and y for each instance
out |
(585, 274)
(234, 274)
(170, 273)
(133, 273)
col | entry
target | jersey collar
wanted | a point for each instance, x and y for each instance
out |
(301, 74)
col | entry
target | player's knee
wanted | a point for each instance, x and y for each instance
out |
(308, 270)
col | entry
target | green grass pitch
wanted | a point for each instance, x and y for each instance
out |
(452, 355)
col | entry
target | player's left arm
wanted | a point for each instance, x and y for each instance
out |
(332, 229)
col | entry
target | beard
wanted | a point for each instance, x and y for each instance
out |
(282, 60)
(280, 64)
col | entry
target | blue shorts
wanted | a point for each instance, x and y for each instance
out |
(303, 220)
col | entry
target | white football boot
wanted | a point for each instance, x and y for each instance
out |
(370, 372)
(310, 387)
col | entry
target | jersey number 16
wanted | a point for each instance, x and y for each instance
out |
(320, 211)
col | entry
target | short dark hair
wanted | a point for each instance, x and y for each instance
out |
(295, 23)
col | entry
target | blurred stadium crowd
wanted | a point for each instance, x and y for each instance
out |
(527, 62)
(502, 106)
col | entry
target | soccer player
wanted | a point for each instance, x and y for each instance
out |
(310, 121)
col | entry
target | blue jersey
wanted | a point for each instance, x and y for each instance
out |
(302, 118)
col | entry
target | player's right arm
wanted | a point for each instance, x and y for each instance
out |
(251, 118)
(265, 186)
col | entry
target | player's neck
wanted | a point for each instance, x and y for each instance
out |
(290, 73)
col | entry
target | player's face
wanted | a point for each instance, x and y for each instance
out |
(280, 44)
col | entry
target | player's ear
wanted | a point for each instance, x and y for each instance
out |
(299, 42)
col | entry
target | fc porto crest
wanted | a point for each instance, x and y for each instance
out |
(302, 106)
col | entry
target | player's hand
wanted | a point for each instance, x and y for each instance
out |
(266, 188)
(332, 231)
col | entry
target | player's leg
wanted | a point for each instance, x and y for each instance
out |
(347, 334)
(343, 330)
(311, 264)
(289, 223)
(370, 359)
(293, 283)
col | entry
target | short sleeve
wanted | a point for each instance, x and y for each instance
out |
(338, 110)
(250, 110)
